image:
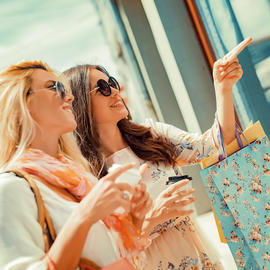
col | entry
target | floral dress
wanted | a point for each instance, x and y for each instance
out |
(176, 244)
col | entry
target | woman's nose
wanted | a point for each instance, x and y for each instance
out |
(69, 98)
(114, 91)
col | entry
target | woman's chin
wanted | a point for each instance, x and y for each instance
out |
(123, 115)
(121, 118)
(69, 128)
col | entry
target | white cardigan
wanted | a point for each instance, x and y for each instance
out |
(21, 240)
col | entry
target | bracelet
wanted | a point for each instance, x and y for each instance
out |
(50, 262)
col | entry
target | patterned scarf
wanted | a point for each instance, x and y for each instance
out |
(64, 173)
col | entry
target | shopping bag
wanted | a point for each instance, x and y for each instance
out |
(251, 133)
(238, 188)
(220, 232)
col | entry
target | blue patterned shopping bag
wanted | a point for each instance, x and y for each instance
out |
(238, 188)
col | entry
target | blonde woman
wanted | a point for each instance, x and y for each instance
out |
(35, 123)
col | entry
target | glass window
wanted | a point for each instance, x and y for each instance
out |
(228, 23)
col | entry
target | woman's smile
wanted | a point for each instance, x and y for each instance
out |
(69, 109)
(117, 104)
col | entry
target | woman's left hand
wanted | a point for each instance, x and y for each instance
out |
(226, 73)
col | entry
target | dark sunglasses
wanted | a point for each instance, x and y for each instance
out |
(58, 87)
(105, 87)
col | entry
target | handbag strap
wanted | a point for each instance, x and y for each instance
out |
(221, 144)
(239, 132)
(46, 223)
(44, 218)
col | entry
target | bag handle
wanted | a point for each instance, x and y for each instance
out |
(46, 223)
(221, 144)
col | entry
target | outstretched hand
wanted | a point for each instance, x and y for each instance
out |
(227, 70)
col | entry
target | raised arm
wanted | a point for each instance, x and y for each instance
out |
(226, 72)
(190, 148)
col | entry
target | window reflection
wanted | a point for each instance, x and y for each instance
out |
(228, 22)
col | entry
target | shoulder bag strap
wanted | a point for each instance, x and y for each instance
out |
(45, 221)
(44, 218)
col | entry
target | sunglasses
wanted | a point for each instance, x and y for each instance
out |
(58, 87)
(105, 87)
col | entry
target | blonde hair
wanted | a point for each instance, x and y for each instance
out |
(17, 127)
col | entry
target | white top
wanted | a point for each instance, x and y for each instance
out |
(177, 244)
(21, 240)
(190, 148)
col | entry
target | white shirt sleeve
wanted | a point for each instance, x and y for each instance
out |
(190, 148)
(21, 240)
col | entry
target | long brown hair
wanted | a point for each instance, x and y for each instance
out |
(140, 139)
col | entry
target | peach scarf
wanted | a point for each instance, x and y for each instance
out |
(64, 173)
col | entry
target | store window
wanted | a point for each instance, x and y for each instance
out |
(228, 22)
